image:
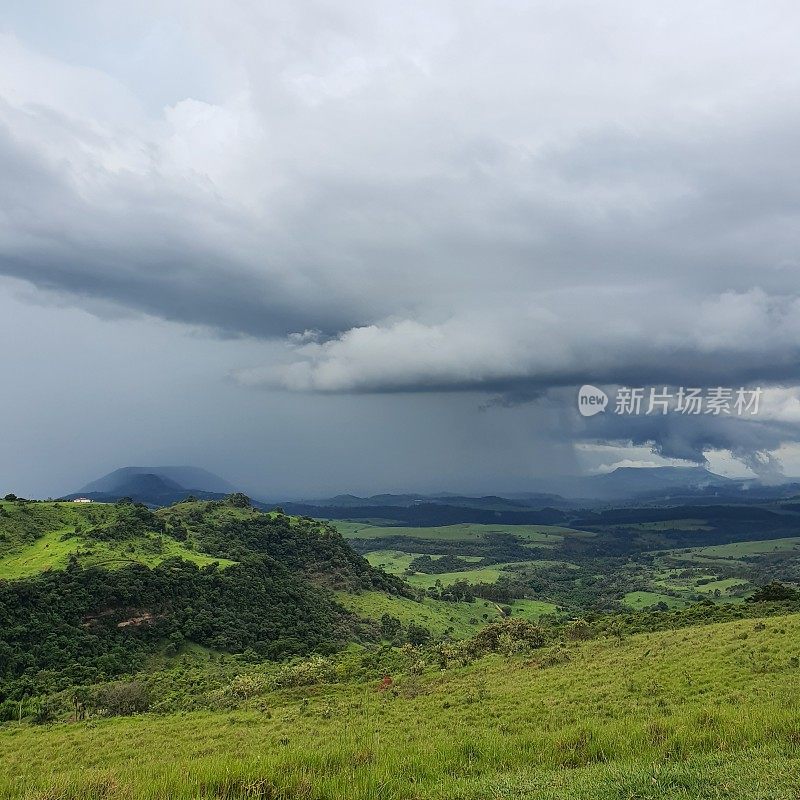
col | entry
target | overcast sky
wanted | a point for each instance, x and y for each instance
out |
(377, 246)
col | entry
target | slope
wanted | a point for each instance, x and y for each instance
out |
(704, 712)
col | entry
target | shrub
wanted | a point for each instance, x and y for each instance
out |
(243, 687)
(121, 698)
(508, 635)
(307, 673)
(578, 630)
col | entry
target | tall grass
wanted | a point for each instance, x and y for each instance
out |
(703, 712)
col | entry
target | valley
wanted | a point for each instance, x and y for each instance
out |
(270, 655)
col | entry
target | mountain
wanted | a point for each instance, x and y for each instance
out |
(636, 483)
(155, 486)
(489, 503)
(191, 478)
(633, 481)
(429, 513)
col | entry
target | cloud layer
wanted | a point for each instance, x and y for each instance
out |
(504, 198)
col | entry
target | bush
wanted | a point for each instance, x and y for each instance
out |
(121, 698)
(509, 635)
(773, 592)
(578, 630)
(307, 673)
(417, 634)
(243, 687)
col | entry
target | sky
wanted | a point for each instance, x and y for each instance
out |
(376, 246)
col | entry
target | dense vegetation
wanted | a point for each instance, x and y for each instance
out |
(88, 622)
(619, 558)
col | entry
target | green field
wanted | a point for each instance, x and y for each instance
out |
(457, 619)
(396, 562)
(454, 619)
(706, 712)
(644, 584)
(736, 550)
(480, 575)
(543, 535)
(668, 525)
(52, 549)
(643, 599)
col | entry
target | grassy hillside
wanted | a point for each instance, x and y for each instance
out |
(703, 712)
(37, 537)
(91, 592)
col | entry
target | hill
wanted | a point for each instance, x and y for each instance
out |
(89, 591)
(191, 478)
(428, 513)
(699, 712)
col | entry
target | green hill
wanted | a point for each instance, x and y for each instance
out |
(90, 591)
(702, 712)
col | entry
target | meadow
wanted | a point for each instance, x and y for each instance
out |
(49, 543)
(439, 617)
(703, 712)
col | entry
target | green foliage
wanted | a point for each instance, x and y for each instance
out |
(772, 592)
(121, 698)
(390, 626)
(507, 636)
(83, 625)
(238, 500)
(676, 714)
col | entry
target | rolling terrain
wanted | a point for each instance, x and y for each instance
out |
(626, 652)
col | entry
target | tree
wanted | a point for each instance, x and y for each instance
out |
(417, 634)
(122, 698)
(773, 592)
(389, 626)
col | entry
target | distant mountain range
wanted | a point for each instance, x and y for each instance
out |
(162, 486)
(628, 483)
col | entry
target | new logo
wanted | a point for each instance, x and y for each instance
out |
(591, 400)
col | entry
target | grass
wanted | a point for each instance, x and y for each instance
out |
(478, 575)
(396, 562)
(38, 537)
(532, 609)
(667, 525)
(737, 550)
(458, 620)
(48, 552)
(439, 617)
(706, 712)
(541, 534)
(52, 552)
(644, 599)
(725, 586)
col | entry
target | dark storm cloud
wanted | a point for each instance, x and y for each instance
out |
(495, 199)
(151, 248)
